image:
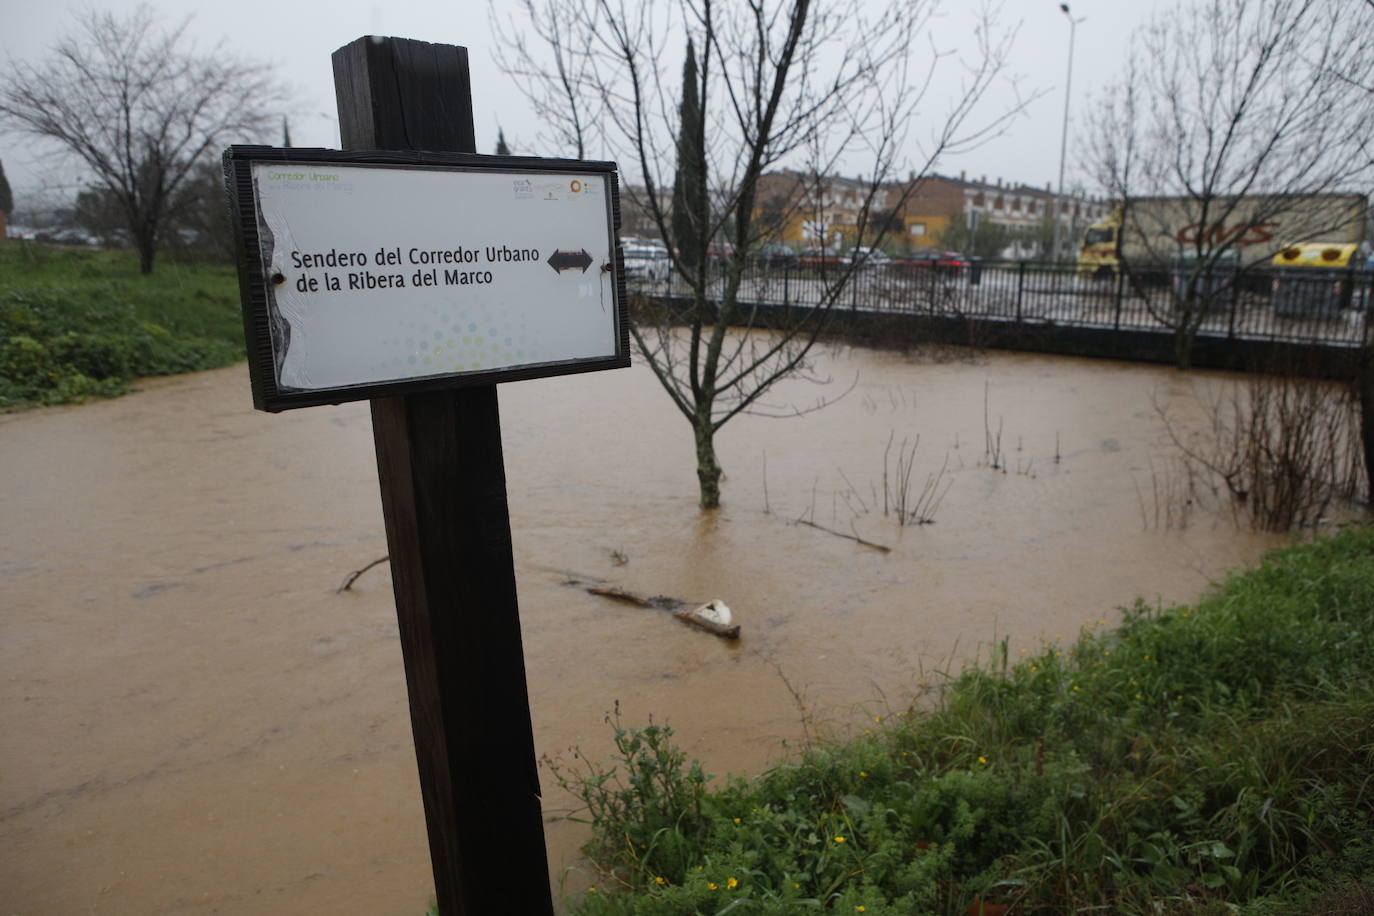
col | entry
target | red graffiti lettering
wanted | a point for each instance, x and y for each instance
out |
(1218, 234)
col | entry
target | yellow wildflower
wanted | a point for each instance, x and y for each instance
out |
(660, 880)
(983, 760)
(711, 887)
(732, 883)
(736, 820)
(839, 839)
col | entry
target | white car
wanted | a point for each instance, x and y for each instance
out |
(870, 258)
(646, 262)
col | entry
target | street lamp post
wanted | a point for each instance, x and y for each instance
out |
(1064, 136)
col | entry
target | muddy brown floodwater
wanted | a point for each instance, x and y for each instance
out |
(195, 722)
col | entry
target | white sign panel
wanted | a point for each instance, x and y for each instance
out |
(384, 274)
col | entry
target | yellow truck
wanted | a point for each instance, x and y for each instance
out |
(1155, 232)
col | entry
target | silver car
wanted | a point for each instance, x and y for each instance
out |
(646, 263)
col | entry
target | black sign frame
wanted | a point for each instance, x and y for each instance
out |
(258, 303)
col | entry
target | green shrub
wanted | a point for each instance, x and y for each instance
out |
(76, 324)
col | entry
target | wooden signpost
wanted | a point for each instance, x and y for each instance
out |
(409, 217)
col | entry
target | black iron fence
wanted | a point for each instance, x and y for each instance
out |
(1320, 306)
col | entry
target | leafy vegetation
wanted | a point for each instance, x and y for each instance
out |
(77, 323)
(1205, 758)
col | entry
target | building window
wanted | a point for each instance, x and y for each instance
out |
(917, 229)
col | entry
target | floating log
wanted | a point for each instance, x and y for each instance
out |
(707, 616)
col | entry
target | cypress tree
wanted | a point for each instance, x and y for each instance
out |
(6, 198)
(501, 148)
(690, 208)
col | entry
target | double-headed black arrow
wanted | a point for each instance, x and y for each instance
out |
(570, 260)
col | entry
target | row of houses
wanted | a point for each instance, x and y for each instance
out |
(932, 211)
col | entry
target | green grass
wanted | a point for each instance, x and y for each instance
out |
(77, 323)
(1207, 758)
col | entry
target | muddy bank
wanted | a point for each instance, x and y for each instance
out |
(197, 722)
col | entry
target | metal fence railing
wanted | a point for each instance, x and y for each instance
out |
(1319, 306)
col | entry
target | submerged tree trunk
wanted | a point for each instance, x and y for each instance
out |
(708, 469)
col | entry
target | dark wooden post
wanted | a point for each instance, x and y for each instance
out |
(448, 529)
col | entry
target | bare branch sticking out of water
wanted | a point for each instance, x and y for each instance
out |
(992, 443)
(912, 508)
(353, 576)
(840, 534)
(766, 509)
(923, 513)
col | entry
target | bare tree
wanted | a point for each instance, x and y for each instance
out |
(547, 46)
(781, 83)
(1245, 118)
(140, 108)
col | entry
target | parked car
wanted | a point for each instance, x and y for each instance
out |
(646, 262)
(822, 259)
(869, 258)
(775, 256)
(931, 260)
(719, 251)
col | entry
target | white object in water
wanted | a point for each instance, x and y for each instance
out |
(715, 611)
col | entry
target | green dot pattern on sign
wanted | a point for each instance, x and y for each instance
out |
(443, 342)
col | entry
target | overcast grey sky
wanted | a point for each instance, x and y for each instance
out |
(297, 38)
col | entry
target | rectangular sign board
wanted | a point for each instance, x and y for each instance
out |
(369, 274)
